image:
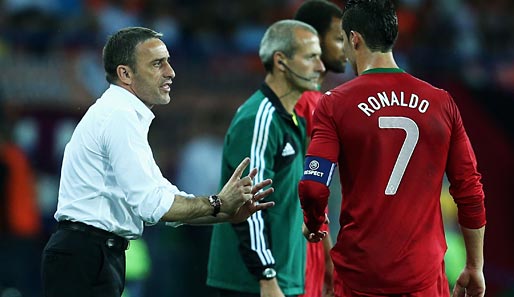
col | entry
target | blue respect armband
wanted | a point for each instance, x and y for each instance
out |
(319, 170)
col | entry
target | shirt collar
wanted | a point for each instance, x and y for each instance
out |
(279, 108)
(268, 92)
(126, 97)
(383, 70)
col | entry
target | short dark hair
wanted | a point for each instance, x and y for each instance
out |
(375, 20)
(319, 14)
(120, 49)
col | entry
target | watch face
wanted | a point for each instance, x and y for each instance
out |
(269, 273)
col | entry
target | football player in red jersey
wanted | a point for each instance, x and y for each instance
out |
(393, 137)
(326, 18)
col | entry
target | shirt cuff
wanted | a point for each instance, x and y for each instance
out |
(162, 208)
(173, 224)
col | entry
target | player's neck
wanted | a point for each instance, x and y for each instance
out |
(371, 60)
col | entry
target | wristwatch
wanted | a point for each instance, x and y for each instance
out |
(215, 202)
(269, 273)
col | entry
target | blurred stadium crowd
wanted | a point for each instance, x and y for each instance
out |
(51, 71)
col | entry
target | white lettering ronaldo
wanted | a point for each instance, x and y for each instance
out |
(382, 100)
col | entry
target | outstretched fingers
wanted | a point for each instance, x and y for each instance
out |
(265, 205)
(240, 169)
(256, 188)
(259, 196)
(253, 173)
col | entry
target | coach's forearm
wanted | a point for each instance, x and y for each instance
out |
(209, 219)
(474, 242)
(186, 209)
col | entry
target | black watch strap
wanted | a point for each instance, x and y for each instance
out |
(215, 202)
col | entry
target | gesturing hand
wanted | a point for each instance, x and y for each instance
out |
(252, 205)
(237, 190)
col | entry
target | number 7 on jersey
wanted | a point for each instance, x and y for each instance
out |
(411, 139)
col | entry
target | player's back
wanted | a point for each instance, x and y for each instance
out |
(394, 133)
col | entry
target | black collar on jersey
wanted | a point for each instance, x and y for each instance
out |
(268, 92)
(383, 70)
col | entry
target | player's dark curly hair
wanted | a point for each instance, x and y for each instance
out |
(120, 49)
(375, 20)
(319, 14)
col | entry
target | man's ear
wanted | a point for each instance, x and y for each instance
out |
(279, 60)
(124, 74)
(355, 39)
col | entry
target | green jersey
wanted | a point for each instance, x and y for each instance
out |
(275, 141)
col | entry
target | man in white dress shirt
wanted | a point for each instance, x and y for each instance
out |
(110, 184)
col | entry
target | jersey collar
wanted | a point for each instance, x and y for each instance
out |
(383, 70)
(268, 92)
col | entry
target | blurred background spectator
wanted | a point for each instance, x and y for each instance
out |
(20, 219)
(51, 71)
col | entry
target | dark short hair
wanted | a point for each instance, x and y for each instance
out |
(319, 14)
(375, 20)
(120, 49)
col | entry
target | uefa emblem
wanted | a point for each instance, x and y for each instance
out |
(314, 165)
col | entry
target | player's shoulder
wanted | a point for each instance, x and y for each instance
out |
(340, 91)
(428, 90)
(423, 83)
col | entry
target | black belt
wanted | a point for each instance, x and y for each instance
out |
(110, 239)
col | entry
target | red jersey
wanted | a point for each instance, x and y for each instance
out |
(393, 137)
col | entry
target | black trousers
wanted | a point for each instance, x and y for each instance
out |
(82, 261)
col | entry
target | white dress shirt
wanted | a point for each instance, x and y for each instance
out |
(109, 178)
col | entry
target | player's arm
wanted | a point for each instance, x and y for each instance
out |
(320, 164)
(471, 281)
(328, 287)
(461, 169)
(467, 192)
(314, 191)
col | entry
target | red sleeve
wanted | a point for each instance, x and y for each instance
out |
(314, 199)
(465, 186)
(324, 144)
